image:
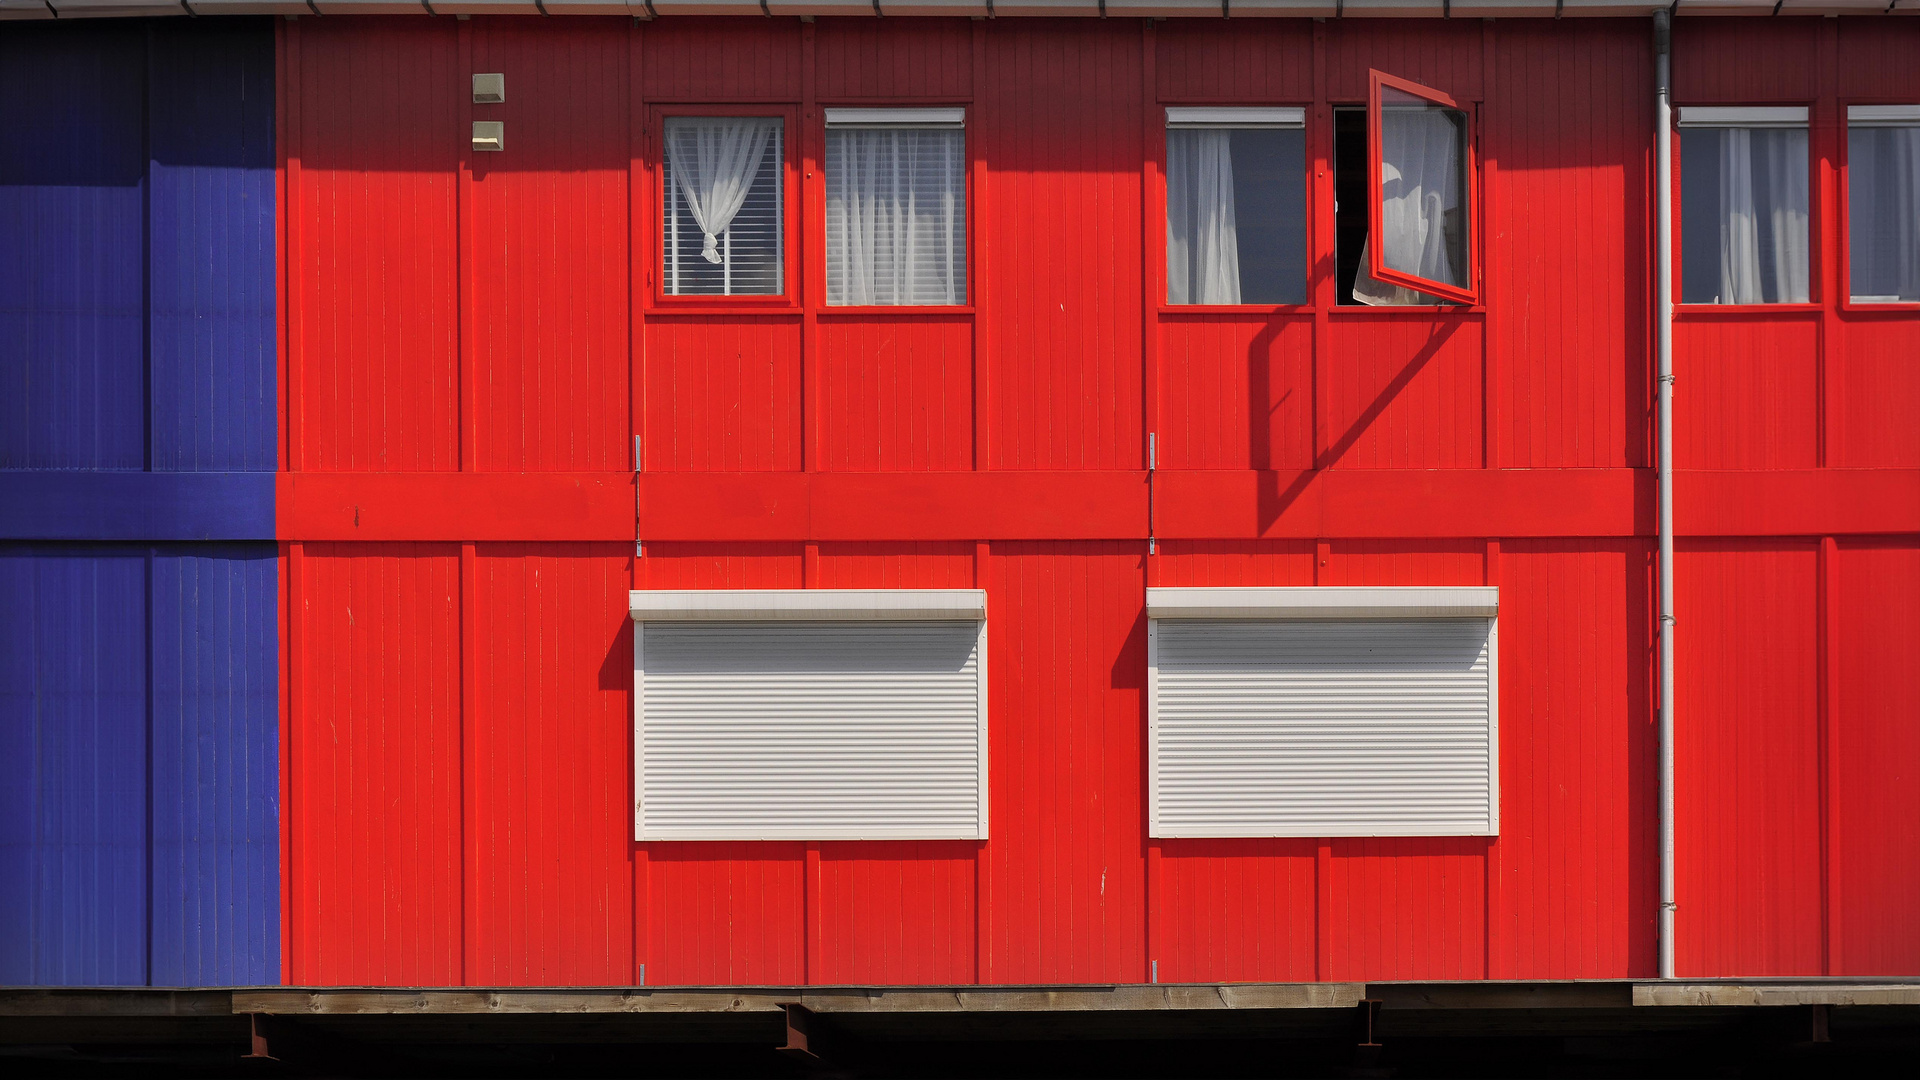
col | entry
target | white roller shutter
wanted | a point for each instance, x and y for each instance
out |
(810, 730)
(1323, 727)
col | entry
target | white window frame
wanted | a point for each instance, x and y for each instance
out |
(1870, 116)
(1286, 116)
(1319, 603)
(805, 605)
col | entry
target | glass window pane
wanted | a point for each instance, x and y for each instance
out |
(1743, 216)
(724, 207)
(1883, 208)
(896, 216)
(1236, 216)
(1423, 195)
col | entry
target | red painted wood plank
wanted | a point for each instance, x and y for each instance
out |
(375, 254)
(1874, 844)
(548, 258)
(550, 828)
(1747, 760)
(375, 760)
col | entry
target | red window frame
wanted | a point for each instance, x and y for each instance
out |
(789, 295)
(1376, 258)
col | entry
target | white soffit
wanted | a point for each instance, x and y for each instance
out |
(1766, 116)
(1324, 602)
(1883, 115)
(804, 605)
(897, 118)
(1236, 118)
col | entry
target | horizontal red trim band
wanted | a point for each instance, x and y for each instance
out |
(1356, 503)
(894, 506)
(455, 506)
(1798, 502)
(1364, 503)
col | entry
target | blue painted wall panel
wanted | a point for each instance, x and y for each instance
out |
(73, 712)
(216, 766)
(72, 247)
(139, 697)
(212, 252)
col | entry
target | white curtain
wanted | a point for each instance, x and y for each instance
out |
(896, 216)
(714, 161)
(1203, 244)
(1763, 215)
(1421, 197)
(1883, 170)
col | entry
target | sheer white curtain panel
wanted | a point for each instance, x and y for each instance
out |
(896, 216)
(1421, 196)
(1203, 244)
(1883, 164)
(713, 161)
(1763, 219)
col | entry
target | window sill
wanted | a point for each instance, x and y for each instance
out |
(1376, 310)
(1748, 309)
(1236, 309)
(722, 305)
(891, 310)
(1892, 307)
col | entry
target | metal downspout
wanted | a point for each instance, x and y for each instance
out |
(1663, 355)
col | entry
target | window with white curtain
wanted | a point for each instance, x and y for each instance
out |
(1236, 206)
(1883, 203)
(1743, 205)
(724, 229)
(896, 206)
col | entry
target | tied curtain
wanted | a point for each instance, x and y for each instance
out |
(1203, 246)
(714, 161)
(896, 214)
(1883, 169)
(1422, 191)
(1763, 215)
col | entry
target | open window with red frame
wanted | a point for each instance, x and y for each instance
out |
(1420, 237)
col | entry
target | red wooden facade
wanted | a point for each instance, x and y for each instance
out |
(474, 343)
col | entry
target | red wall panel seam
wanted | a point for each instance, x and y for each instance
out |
(1830, 720)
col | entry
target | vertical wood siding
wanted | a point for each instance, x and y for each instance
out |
(1567, 224)
(1061, 134)
(460, 758)
(376, 859)
(550, 254)
(373, 263)
(1876, 389)
(1875, 851)
(1067, 653)
(546, 819)
(896, 395)
(1577, 855)
(1753, 393)
(1747, 761)
(139, 739)
(1236, 393)
(723, 395)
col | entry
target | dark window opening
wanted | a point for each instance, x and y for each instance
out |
(1349, 198)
